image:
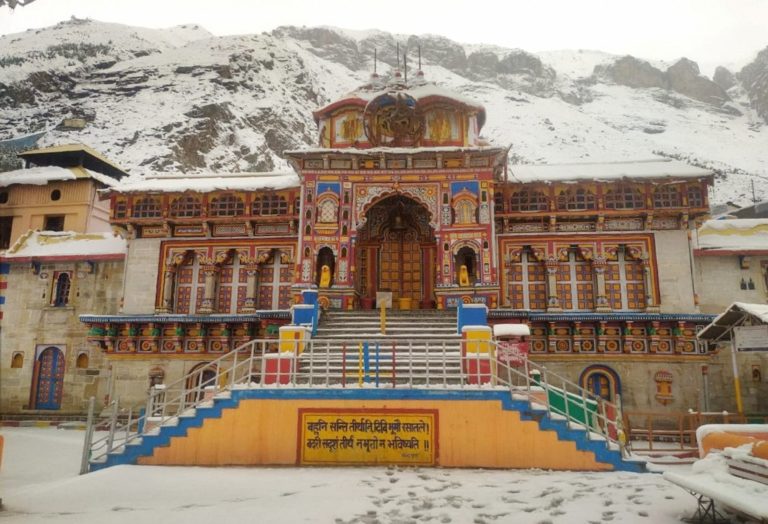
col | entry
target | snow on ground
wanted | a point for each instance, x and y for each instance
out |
(39, 483)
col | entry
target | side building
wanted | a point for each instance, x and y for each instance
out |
(59, 258)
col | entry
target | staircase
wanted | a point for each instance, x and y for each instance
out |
(418, 347)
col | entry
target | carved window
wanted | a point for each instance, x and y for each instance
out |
(667, 196)
(498, 202)
(465, 211)
(625, 282)
(528, 200)
(327, 211)
(576, 200)
(527, 287)
(62, 282)
(575, 283)
(623, 197)
(695, 196)
(233, 279)
(147, 207)
(226, 206)
(186, 207)
(121, 208)
(190, 287)
(270, 204)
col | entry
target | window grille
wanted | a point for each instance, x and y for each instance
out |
(576, 200)
(667, 196)
(147, 208)
(522, 201)
(186, 207)
(623, 197)
(226, 206)
(269, 205)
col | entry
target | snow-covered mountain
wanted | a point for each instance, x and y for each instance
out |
(181, 99)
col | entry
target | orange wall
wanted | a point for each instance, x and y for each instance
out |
(471, 433)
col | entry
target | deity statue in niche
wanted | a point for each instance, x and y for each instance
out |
(325, 276)
(463, 275)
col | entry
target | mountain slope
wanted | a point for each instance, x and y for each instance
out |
(182, 99)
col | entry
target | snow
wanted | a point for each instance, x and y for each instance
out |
(511, 330)
(641, 169)
(65, 243)
(142, 130)
(39, 483)
(39, 176)
(734, 234)
(710, 478)
(209, 183)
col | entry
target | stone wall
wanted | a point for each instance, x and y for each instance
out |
(718, 282)
(674, 267)
(30, 324)
(142, 265)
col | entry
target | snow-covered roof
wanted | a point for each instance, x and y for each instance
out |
(208, 183)
(639, 169)
(39, 176)
(376, 151)
(746, 234)
(733, 316)
(44, 244)
(418, 89)
(511, 330)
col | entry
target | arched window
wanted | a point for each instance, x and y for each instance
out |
(186, 207)
(601, 381)
(147, 207)
(465, 210)
(667, 196)
(61, 284)
(695, 196)
(327, 211)
(82, 361)
(269, 204)
(17, 360)
(466, 256)
(623, 197)
(528, 200)
(575, 200)
(226, 206)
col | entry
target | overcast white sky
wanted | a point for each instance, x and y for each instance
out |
(711, 32)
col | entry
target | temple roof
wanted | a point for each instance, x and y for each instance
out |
(208, 183)
(43, 245)
(419, 90)
(40, 176)
(608, 171)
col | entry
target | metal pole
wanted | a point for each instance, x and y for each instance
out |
(87, 441)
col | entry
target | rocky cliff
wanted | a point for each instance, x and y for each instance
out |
(182, 99)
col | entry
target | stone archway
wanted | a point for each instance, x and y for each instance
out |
(396, 251)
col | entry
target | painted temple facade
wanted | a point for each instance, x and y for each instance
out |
(401, 195)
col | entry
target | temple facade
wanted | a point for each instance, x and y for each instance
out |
(401, 195)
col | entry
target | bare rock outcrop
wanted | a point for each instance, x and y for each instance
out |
(724, 78)
(685, 78)
(754, 78)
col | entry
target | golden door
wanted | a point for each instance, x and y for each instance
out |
(400, 264)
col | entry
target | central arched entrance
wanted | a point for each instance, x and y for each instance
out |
(396, 251)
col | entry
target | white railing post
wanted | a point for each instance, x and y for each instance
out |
(88, 440)
(112, 424)
(566, 402)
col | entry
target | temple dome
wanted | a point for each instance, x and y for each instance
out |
(397, 113)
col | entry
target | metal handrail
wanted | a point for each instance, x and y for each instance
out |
(428, 364)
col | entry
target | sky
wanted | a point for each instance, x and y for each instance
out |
(711, 32)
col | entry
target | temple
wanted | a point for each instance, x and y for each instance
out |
(402, 203)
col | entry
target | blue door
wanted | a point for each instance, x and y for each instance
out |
(50, 379)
